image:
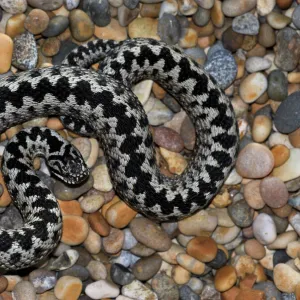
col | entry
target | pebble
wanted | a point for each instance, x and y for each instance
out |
(296, 17)
(281, 154)
(98, 10)
(190, 264)
(246, 24)
(101, 177)
(253, 86)
(269, 288)
(66, 47)
(293, 248)
(280, 256)
(186, 293)
(285, 117)
(285, 278)
(137, 290)
(165, 287)
(290, 169)
(241, 213)
(15, 25)
(264, 7)
(201, 221)
(119, 215)
(71, 4)
(93, 242)
(6, 50)
(120, 274)
(232, 40)
(75, 230)
(274, 192)
(201, 17)
(51, 46)
(36, 21)
(81, 26)
(234, 8)
(57, 25)
(159, 113)
(256, 64)
(3, 283)
(252, 194)
(277, 85)
(42, 280)
(76, 271)
(14, 7)
(143, 27)
(225, 278)
(170, 256)
(68, 287)
(113, 243)
(126, 258)
(287, 54)
(180, 275)
(24, 290)
(70, 208)
(225, 235)
(112, 31)
(254, 249)
(66, 260)
(129, 240)
(25, 51)
(150, 234)
(97, 270)
(264, 229)
(202, 248)
(222, 66)
(99, 224)
(146, 268)
(278, 20)
(219, 261)
(102, 289)
(266, 36)
(65, 192)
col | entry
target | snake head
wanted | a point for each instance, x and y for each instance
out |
(69, 167)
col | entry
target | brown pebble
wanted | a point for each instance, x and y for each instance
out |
(15, 25)
(232, 40)
(252, 194)
(274, 192)
(294, 138)
(281, 154)
(68, 288)
(180, 275)
(260, 273)
(6, 50)
(284, 4)
(251, 295)
(266, 36)
(168, 138)
(5, 198)
(150, 234)
(202, 248)
(146, 268)
(254, 249)
(75, 230)
(98, 223)
(247, 282)
(231, 293)
(225, 278)
(158, 91)
(113, 243)
(50, 48)
(82, 27)
(36, 21)
(3, 284)
(70, 208)
(282, 212)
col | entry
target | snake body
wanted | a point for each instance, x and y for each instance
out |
(107, 106)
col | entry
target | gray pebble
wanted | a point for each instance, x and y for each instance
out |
(125, 258)
(286, 117)
(42, 280)
(269, 288)
(280, 223)
(186, 293)
(129, 240)
(71, 4)
(288, 296)
(131, 4)
(277, 85)
(64, 261)
(296, 16)
(84, 256)
(145, 268)
(201, 17)
(120, 274)
(25, 55)
(56, 26)
(171, 103)
(98, 10)
(169, 29)
(77, 271)
(246, 24)
(64, 192)
(241, 213)
(142, 250)
(222, 67)
(11, 218)
(24, 290)
(126, 15)
(197, 54)
(46, 4)
(165, 287)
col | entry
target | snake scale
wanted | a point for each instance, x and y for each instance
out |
(102, 102)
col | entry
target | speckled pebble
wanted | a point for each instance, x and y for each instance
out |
(137, 290)
(36, 21)
(25, 51)
(24, 290)
(285, 278)
(120, 274)
(222, 66)
(71, 4)
(241, 213)
(186, 293)
(246, 24)
(14, 6)
(42, 280)
(165, 287)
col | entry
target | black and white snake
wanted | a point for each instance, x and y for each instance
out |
(109, 109)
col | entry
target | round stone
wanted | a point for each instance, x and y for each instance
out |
(232, 40)
(145, 268)
(14, 6)
(36, 21)
(150, 234)
(169, 28)
(225, 278)
(24, 290)
(261, 128)
(68, 287)
(253, 86)
(281, 154)
(241, 213)
(264, 7)
(256, 64)
(264, 229)
(99, 12)
(187, 293)
(274, 192)
(6, 50)
(201, 17)
(81, 26)
(120, 274)
(76, 271)
(97, 270)
(42, 280)
(112, 243)
(277, 85)
(50, 47)
(126, 15)
(254, 249)
(219, 261)
(190, 264)
(285, 278)
(93, 242)
(234, 8)
(252, 194)
(102, 289)
(255, 161)
(165, 287)
(266, 36)
(246, 24)
(71, 4)
(296, 17)
(46, 4)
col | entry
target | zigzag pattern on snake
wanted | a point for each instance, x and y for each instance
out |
(105, 103)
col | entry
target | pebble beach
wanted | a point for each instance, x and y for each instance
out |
(245, 245)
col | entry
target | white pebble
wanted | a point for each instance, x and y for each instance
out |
(264, 229)
(102, 289)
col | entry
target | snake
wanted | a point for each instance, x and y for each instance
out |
(102, 102)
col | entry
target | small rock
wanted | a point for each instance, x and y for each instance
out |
(24, 290)
(143, 27)
(25, 51)
(68, 287)
(14, 7)
(102, 289)
(112, 31)
(120, 274)
(246, 24)
(190, 264)
(137, 290)
(56, 26)
(266, 36)
(99, 224)
(219, 261)
(64, 261)
(254, 249)
(180, 275)
(225, 235)
(201, 17)
(225, 278)
(99, 12)
(97, 270)
(264, 229)
(165, 287)
(101, 177)
(147, 267)
(81, 26)
(45, 4)
(36, 21)
(233, 8)
(126, 15)
(129, 240)
(150, 234)
(42, 280)
(76, 271)
(278, 20)
(256, 64)
(296, 17)
(93, 242)
(285, 278)
(112, 243)
(241, 213)
(71, 4)
(277, 85)
(186, 293)
(264, 7)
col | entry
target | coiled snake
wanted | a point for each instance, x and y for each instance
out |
(110, 110)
